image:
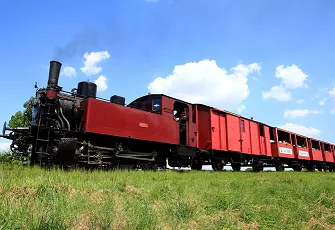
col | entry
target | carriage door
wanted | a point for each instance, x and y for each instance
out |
(262, 140)
(181, 115)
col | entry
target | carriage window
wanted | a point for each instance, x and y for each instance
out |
(315, 145)
(261, 130)
(156, 104)
(301, 141)
(272, 136)
(283, 137)
(327, 147)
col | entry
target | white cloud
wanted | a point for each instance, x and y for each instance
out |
(101, 83)
(292, 77)
(324, 90)
(288, 113)
(316, 96)
(240, 108)
(323, 101)
(332, 92)
(92, 60)
(68, 71)
(4, 146)
(300, 101)
(205, 82)
(279, 93)
(300, 129)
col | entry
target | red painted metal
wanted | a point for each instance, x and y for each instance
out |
(265, 143)
(245, 139)
(315, 149)
(328, 152)
(302, 153)
(204, 130)
(282, 150)
(225, 131)
(117, 120)
(301, 147)
(51, 94)
(282, 147)
(168, 104)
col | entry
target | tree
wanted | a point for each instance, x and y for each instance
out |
(22, 118)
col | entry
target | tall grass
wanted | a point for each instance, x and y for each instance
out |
(33, 198)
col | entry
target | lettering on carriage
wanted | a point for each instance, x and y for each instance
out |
(143, 125)
(285, 150)
(303, 153)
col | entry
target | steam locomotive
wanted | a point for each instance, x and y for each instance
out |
(77, 128)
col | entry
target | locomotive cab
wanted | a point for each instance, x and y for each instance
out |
(149, 103)
(181, 114)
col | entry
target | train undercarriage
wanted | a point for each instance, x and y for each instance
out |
(89, 151)
(131, 154)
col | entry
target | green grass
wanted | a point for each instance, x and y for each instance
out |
(33, 198)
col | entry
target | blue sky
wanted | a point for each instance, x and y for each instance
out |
(130, 43)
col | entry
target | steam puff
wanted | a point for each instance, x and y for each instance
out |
(84, 40)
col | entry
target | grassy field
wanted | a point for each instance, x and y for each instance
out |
(33, 198)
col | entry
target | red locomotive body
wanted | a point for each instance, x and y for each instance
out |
(111, 119)
(78, 128)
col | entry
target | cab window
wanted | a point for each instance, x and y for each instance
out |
(156, 104)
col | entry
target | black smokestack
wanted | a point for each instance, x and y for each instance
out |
(54, 72)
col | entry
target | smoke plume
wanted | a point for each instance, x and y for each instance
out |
(86, 39)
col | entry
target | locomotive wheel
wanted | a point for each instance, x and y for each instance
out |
(217, 166)
(236, 166)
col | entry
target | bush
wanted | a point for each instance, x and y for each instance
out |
(9, 158)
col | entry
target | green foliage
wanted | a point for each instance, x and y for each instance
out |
(5, 157)
(10, 159)
(22, 118)
(33, 198)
